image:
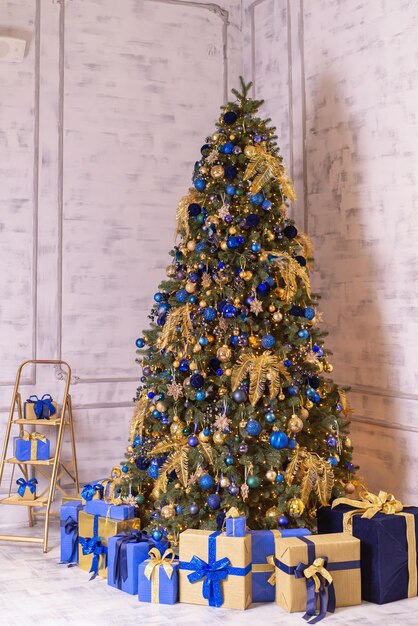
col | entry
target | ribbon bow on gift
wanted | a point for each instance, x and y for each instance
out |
(23, 484)
(46, 400)
(70, 526)
(318, 581)
(120, 565)
(212, 573)
(233, 512)
(90, 490)
(33, 438)
(156, 559)
(369, 504)
(112, 486)
(94, 546)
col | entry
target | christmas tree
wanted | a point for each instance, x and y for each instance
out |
(233, 409)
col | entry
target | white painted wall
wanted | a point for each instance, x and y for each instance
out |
(99, 130)
(340, 80)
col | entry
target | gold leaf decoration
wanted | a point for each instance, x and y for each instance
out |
(182, 216)
(264, 167)
(261, 369)
(182, 467)
(207, 451)
(313, 473)
(307, 247)
(344, 403)
(177, 317)
(137, 422)
(290, 270)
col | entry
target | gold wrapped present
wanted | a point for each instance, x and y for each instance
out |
(94, 532)
(26, 488)
(319, 569)
(40, 408)
(214, 569)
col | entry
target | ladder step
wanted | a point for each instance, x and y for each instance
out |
(54, 422)
(16, 461)
(16, 500)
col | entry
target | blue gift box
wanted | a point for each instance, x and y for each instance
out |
(105, 509)
(159, 586)
(262, 549)
(69, 531)
(125, 552)
(384, 550)
(235, 526)
(32, 449)
(94, 490)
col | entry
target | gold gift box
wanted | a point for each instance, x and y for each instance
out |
(236, 590)
(338, 548)
(28, 495)
(106, 528)
(31, 415)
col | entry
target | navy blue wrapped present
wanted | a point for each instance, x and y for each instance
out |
(69, 531)
(39, 408)
(125, 552)
(158, 578)
(388, 532)
(106, 509)
(262, 556)
(32, 447)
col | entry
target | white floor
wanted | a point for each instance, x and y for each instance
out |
(36, 591)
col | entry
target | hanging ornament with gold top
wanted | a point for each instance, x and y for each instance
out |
(295, 507)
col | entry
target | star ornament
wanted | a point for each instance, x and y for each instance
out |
(256, 306)
(223, 211)
(222, 422)
(175, 390)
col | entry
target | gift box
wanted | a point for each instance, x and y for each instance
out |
(94, 490)
(262, 556)
(69, 531)
(215, 569)
(125, 552)
(26, 488)
(320, 569)
(39, 408)
(235, 523)
(32, 447)
(105, 509)
(389, 543)
(94, 532)
(158, 578)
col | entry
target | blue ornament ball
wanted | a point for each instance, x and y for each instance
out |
(230, 172)
(278, 439)
(206, 431)
(203, 341)
(206, 482)
(270, 417)
(157, 535)
(331, 441)
(283, 521)
(292, 443)
(194, 209)
(140, 342)
(303, 333)
(230, 190)
(279, 478)
(266, 205)
(193, 441)
(214, 501)
(290, 231)
(229, 311)
(156, 414)
(209, 314)
(232, 243)
(316, 397)
(293, 390)
(256, 198)
(200, 395)
(227, 148)
(197, 381)
(153, 471)
(229, 460)
(268, 341)
(199, 184)
(252, 220)
(193, 509)
(253, 428)
(255, 247)
(309, 313)
(125, 469)
(179, 509)
(233, 490)
(332, 461)
(158, 297)
(184, 365)
(230, 117)
(181, 295)
(239, 396)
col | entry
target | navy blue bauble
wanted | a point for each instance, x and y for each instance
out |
(194, 209)
(193, 441)
(229, 311)
(184, 366)
(206, 482)
(205, 148)
(256, 199)
(193, 509)
(142, 463)
(230, 172)
(230, 190)
(234, 340)
(283, 521)
(252, 220)
(182, 295)
(293, 390)
(227, 148)
(220, 519)
(290, 231)
(266, 205)
(331, 441)
(297, 311)
(268, 341)
(255, 247)
(301, 260)
(197, 381)
(287, 362)
(230, 117)
(309, 313)
(233, 490)
(278, 439)
(214, 501)
(200, 246)
(140, 343)
(232, 242)
(314, 382)
(157, 535)
(253, 428)
(199, 184)
(158, 297)
(291, 444)
(263, 290)
(214, 364)
(209, 314)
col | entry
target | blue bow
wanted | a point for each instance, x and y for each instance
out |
(70, 526)
(46, 401)
(94, 546)
(23, 484)
(212, 572)
(316, 589)
(120, 565)
(90, 490)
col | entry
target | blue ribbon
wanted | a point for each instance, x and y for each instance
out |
(70, 526)
(89, 492)
(120, 564)
(46, 401)
(23, 484)
(93, 545)
(212, 572)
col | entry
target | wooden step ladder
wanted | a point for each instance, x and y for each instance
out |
(52, 469)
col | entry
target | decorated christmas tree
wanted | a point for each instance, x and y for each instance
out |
(234, 409)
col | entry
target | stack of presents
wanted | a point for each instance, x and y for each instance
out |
(364, 548)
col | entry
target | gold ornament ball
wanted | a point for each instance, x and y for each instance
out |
(319, 366)
(328, 367)
(224, 245)
(323, 393)
(272, 308)
(296, 507)
(222, 391)
(191, 245)
(280, 292)
(202, 437)
(269, 235)
(272, 512)
(190, 287)
(203, 169)
(168, 511)
(247, 275)
(193, 365)
(129, 449)
(202, 303)
(170, 271)
(277, 316)
(254, 341)
(281, 396)
(161, 406)
(217, 171)
(348, 442)
(197, 348)
(250, 151)
(295, 424)
(218, 437)
(304, 414)
(228, 372)
(232, 137)
(308, 404)
(224, 482)
(215, 137)
(176, 363)
(263, 257)
(210, 338)
(349, 488)
(271, 475)
(232, 230)
(224, 353)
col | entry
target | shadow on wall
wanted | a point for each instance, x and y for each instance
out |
(346, 273)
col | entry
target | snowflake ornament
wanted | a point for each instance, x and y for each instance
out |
(175, 390)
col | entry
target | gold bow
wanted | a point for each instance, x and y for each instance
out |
(33, 438)
(317, 569)
(233, 512)
(370, 504)
(152, 570)
(111, 484)
(269, 566)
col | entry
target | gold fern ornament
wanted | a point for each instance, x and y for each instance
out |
(178, 317)
(262, 370)
(182, 216)
(290, 270)
(264, 167)
(137, 422)
(312, 473)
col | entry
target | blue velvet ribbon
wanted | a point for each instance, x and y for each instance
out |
(326, 593)
(26, 484)
(120, 565)
(90, 490)
(212, 572)
(46, 400)
(71, 526)
(93, 545)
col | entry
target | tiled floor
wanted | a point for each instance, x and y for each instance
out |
(36, 591)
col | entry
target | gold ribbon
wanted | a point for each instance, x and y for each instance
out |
(152, 570)
(112, 483)
(317, 569)
(33, 438)
(256, 568)
(370, 504)
(233, 512)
